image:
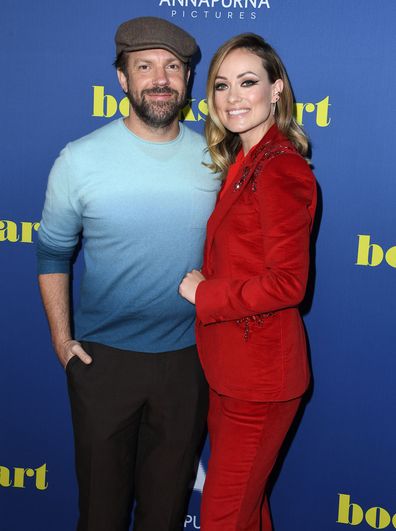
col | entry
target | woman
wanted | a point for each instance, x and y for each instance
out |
(249, 332)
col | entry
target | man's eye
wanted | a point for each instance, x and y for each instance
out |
(143, 67)
(249, 82)
(174, 66)
(220, 86)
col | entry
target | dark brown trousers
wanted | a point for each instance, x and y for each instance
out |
(138, 422)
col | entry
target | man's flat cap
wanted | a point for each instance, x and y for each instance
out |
(146, 33)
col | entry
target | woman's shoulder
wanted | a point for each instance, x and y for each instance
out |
(273, 145)
(288, 172)
(289, 161)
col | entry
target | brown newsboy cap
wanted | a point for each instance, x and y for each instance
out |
(146, 33)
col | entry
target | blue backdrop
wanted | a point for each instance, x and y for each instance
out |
(57, 83)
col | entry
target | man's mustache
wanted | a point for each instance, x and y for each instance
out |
(160, 90)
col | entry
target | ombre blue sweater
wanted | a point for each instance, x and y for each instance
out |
(142, 209)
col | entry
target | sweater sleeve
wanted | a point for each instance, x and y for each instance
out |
(61, 221)
(286, 197)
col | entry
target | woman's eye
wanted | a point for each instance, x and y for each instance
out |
(220, 86)
(249, 82)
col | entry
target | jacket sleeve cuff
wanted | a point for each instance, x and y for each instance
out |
(207, 292)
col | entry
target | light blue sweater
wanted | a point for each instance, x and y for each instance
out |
(142, 208)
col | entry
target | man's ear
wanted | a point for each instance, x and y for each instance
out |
(122, 79)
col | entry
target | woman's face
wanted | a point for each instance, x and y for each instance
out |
(243, 96)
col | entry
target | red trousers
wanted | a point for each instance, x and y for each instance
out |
(245, 438)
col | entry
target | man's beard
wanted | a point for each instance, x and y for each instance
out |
(157, 114)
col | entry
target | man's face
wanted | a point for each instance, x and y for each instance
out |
(155, 84)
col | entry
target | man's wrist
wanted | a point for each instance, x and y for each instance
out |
(59, 344)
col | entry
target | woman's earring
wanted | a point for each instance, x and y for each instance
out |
(274, 104)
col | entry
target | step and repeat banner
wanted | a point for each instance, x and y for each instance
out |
(57, 83)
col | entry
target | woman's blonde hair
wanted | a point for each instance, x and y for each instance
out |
(223, 145)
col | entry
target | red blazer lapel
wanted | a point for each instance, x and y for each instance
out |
(271, 145)
(224, 204)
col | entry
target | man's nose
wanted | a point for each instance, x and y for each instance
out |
(160, 77)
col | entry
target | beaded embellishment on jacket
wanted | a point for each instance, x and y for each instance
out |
(258, 319)
(271, 151)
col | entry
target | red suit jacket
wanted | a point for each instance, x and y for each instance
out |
(250, 336)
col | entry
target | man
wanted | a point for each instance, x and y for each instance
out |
(137, 191)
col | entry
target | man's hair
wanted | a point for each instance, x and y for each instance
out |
(121, 63)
